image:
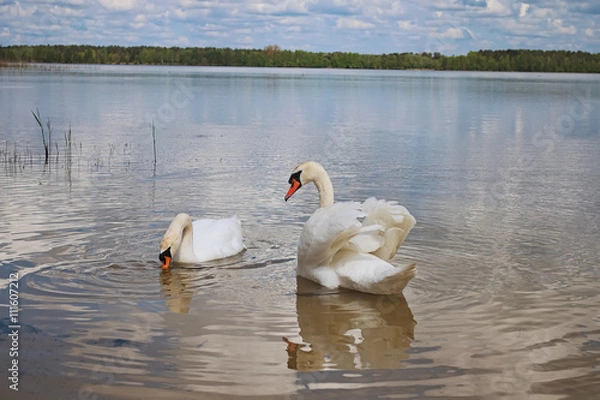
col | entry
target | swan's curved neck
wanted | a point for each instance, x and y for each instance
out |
(181, 236)
(187, 235)
(325, 188)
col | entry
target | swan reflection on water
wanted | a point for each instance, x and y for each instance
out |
(177, 289)
(178, 284)
(339, 329)
(349, 330)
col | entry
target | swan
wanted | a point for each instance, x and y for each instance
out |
(349, 244)
(201, 240)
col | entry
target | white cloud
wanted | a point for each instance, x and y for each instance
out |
(214, 34)
(453, 33)
(407, 26)
(383, 9)
(352, 23)
(296, 20)
(496, 8)
(560, 28)
(185, 3)
(15, 10)
(523, 9)
(61, 11)
(375, 26)
(279, 7)
(542, 12)
(118, 5)
(139, 21)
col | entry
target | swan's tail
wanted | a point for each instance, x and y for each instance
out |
(396, 283)
(370, 274)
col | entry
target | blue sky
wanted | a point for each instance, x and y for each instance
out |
(363, 26)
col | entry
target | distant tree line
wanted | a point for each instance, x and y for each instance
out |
(274, 56)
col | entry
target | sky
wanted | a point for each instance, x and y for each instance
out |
(362, 26)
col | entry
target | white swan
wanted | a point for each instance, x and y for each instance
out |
(349, 244)
(202, 240)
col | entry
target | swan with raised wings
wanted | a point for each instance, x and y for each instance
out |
(350, 244)
(201, 240)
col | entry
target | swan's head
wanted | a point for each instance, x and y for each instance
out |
(171, 241)
(301, 175)
(168, 246)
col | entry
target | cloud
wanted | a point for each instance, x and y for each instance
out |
(561, 29)
(407, 25)
(365, 26)
(333, 7)
(453, 33)
(353, 23)
(283, 7)
(495, 7)
(16, 10)
(474, 3)
(139, 21)
(118, 5)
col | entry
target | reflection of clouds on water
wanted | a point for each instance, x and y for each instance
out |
(349, 330)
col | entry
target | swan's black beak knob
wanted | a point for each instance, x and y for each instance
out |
(295, 184)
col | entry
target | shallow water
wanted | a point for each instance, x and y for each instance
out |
(500, 170)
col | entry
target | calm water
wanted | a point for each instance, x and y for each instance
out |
(501, 172)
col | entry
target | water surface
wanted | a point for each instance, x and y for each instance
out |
(500, 170)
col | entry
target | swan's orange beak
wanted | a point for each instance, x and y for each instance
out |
(295, 185)
(165, 259)
(166, 262)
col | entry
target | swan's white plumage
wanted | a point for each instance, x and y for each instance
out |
(204, 239)
(350, 244)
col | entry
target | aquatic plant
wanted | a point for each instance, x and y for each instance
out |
(47, 142)
(68, 152)
(153, 141)
(15, 159)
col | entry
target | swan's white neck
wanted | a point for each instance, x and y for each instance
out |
(324, 186)
(180, 236)
(187, 239)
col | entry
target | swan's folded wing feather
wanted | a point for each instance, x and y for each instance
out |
(367, 240)
(326, 231)
(217, 238)
(395, 221)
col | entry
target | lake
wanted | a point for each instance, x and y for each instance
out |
(501, 171)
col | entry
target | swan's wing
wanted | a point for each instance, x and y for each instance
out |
(217, 238)
(393, 221)
(326, 232)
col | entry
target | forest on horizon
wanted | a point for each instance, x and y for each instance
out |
(273, 56)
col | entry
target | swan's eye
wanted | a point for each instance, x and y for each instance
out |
(295, 177)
